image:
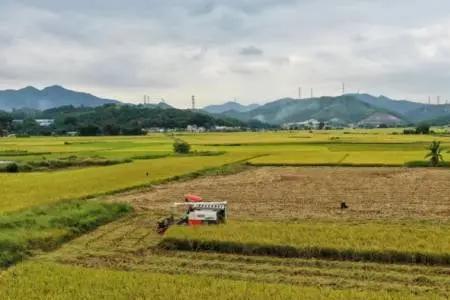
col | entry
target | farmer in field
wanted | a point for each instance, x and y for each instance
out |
(190, 198)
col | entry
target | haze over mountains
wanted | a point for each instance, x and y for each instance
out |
(346, 109)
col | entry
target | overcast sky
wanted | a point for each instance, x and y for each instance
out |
(254, 51)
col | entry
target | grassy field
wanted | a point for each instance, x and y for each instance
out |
(286, 237)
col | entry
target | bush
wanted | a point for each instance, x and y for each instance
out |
(423, 129)
(12, 168)
(181, 147)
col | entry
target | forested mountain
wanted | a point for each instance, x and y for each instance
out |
(345, 109)
(52, 96)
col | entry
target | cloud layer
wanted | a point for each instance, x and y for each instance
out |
(218, 50)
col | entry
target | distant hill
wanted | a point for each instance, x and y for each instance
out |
(229, 106)
(347, 109)
(412, 111)
(49, 97)
(351, 108)
(429, 112)
(441, 120)
(399, 106)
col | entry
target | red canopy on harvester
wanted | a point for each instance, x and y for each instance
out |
(192, 198)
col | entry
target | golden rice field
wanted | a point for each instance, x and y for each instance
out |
(389, 242)
(378, 147)
(24, 190)
(286, 237)
(54, 281)
(122, 260)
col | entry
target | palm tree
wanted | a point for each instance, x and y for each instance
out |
(435, 153)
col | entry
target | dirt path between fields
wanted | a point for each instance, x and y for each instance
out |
(313, 192)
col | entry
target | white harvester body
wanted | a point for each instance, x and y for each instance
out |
(198, 213)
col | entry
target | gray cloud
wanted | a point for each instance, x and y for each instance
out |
(222, 49)
(251, 50)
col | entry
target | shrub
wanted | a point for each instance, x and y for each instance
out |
(12, 168)
(409, 131)
(435, 155)
(423, 129)
(181, 147)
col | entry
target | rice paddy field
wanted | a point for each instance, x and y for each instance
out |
(286, 238)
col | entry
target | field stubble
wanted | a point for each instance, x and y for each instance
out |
(283, 193)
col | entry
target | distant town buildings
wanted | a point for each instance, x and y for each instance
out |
(308, 124)
(226, 128)
(195, 128)
(40, 122)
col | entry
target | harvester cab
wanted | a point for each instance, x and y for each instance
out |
(195, 211)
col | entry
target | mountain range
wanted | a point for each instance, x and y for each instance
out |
(49, 97)
(345, 109)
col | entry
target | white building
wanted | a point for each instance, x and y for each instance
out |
(45, 122)
(308, 124)
(195, 128)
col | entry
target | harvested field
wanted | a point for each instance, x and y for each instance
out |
(281, 193)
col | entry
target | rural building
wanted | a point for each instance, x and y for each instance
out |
(226, 128)
(45, 122)
(308, 124)
(195, 128)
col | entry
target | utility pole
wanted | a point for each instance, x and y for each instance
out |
(300, 93)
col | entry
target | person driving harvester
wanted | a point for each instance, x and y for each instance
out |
(190, 208)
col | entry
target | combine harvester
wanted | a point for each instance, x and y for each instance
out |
(196, 212)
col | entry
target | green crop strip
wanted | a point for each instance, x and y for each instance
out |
(47, 227)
